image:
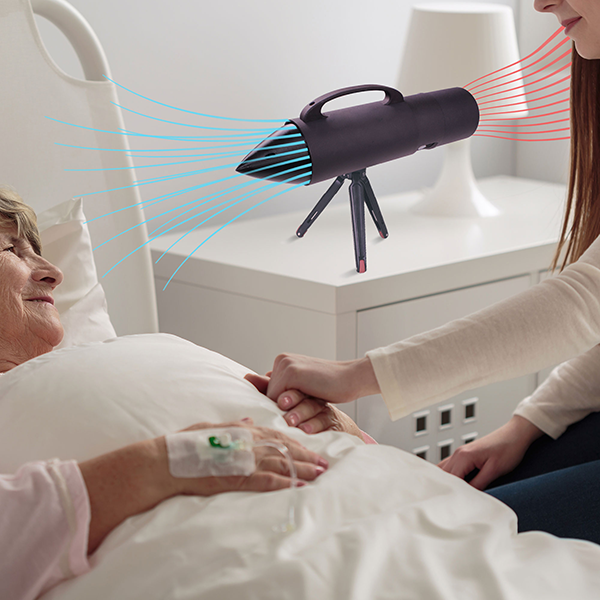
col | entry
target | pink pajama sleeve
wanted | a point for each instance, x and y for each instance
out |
(44, 523)
(367, 438)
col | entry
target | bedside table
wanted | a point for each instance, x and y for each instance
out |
(255, 290)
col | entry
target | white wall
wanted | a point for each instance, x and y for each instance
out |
(263, 59)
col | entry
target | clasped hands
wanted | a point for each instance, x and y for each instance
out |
(305, 387)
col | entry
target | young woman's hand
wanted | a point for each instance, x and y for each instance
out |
(312, 415)
(333, 381)
(495, 454)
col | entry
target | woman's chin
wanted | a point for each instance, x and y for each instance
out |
(58, 334)
(588, 51)
(50, 336)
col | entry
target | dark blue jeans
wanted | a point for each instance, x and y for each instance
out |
(556, 488)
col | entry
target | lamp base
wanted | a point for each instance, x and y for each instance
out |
(456, 193)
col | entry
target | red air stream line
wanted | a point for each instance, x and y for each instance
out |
(520, 71)
(523, 80)
(527, 133)
(520, 61)
(528, 100)
(519, 111)
(559, 30)
(520, 87)
(529, 83)
(531, 125)
(501, 106)
(497, 137)
(556, 112)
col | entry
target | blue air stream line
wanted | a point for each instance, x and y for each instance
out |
(164, 178)
(197, 202)
(150, 239)
(183, 162)
(231, 221)
(159, 199)
(213, 143)
(247, 133)
(232, 137)
(129, 150)
(120, 132)
(232, 202)
(301, 175)
(212, 156)
(267, 131)
(249, 137)
(210, 198)
(190, 111)
(237, 132)
(167, 178)
(244, 197)
(223, 154)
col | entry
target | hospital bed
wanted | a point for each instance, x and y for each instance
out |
(381, 523)
(35, 91)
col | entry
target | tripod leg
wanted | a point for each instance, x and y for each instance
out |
(374, 209)
(320, 206)
(357, 206)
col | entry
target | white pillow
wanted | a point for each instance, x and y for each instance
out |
(80, 299)
(82, 401)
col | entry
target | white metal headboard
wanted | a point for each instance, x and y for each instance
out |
(33, 89)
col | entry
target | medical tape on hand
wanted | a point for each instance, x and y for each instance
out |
(211, 452)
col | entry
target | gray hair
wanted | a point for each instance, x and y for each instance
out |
(13, 211)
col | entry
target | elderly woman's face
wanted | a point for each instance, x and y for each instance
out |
(29, 322)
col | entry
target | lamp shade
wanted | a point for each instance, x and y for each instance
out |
(453, 44)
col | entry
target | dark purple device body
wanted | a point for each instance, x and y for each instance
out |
(350, 139)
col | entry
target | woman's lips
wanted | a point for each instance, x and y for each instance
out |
(568, 24)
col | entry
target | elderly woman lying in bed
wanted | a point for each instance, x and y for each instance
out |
(67, 508)
(382, 523)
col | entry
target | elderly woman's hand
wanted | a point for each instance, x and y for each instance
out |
(272, 468)
(135, 478)
(312, 415)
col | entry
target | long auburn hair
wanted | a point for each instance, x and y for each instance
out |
(581, 225)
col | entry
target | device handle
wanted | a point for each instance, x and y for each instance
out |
(312, 111)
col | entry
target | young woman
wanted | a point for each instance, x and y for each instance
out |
(552, 485)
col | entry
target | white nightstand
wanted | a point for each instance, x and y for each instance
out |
(256, 290)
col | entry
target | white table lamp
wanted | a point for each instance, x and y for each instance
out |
(451, 45)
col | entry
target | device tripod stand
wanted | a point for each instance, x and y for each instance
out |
(361, 193)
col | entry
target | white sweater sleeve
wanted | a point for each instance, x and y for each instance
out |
(571, 392)
(549, 323)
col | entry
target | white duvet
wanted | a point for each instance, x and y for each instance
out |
(379, 524)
